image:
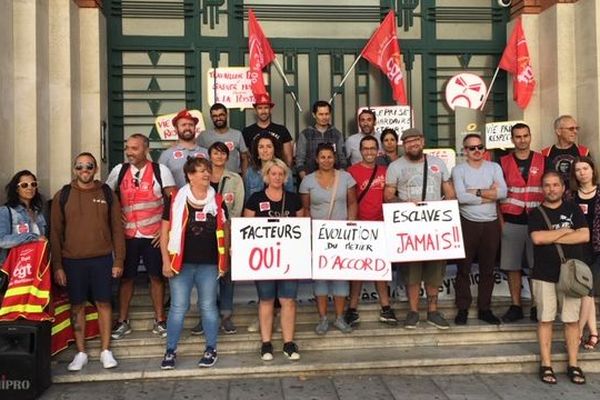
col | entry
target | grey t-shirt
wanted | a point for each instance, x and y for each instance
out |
(174, 158)
(407, 177)
(320, 197)
(234, 141)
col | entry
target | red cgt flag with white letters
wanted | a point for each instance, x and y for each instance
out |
(383, 50)
(516, 61)
(260, 54)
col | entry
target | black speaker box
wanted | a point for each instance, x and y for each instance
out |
(24, 359)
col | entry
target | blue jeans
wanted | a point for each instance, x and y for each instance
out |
(226, 295)
(204, 278)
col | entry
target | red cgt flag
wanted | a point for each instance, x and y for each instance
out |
(383, 50)
(516, 61)
(261, 54)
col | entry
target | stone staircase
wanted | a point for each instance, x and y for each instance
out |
(373, 348)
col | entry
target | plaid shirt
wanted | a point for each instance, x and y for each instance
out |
(306, 148)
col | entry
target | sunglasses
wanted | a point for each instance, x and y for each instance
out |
(473, 148)
(25, 185)
(88, 166)
(571, 128)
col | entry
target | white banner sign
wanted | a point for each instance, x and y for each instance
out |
(167, 131)
(396, 117)
(424, 231)
(344, 250)
(230, 86)
(270, 248)
(497, 135)
(448, 156)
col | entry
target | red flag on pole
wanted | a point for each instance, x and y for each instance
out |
(383, 50)
(516, 61)
(261, 54)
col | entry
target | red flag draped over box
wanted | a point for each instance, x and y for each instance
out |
(516, 61)
(261, 54)
(383, 50)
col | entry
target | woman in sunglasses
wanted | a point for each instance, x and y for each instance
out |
(21, 218)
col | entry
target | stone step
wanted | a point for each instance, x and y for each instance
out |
(142, 344)
(421, 360)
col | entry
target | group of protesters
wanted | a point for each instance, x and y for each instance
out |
(174, 215)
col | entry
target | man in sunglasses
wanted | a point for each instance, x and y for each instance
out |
(142, 186)
(560, 156)
(84, 236)
(479, 185)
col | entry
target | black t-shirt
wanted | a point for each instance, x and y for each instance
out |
(546, 258)
(200, 245)
(523, 166)
(560, 160)
(265, 207)
(588, 209)
(279, 132)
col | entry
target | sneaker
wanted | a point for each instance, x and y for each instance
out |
(254, 325)
(488, 316)
(412, 320)
(209, 358)
(266, 351)
(436, 319)
(533, 314)
(351, 317)
(228, 326)
(291, 351)
(197, 330)
(322, 326)
(79, 361)
(121, 329)
(168, 361)
(387, 316)
(107, 359)
(461, 317)
(342, 325)
(514, 313)
(160, 328)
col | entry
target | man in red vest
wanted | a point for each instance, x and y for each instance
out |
(141, 186)
(523, 170)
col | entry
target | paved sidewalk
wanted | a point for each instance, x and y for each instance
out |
(454, 387)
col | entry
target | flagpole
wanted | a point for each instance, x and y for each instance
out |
(346, 76)
(280, 70)
(489, 88)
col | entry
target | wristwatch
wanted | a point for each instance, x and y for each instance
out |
(478, 193)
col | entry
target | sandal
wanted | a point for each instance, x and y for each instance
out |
(547, 375)
(591, 343)
(576, 375)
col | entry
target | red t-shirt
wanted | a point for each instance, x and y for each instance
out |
(370, 207)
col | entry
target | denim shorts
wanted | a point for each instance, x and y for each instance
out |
(283, 289)
(336, 288)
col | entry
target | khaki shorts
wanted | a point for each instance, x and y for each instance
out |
(549, 301)
(430, 272)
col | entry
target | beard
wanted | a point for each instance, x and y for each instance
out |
(188, 134)
(415, 156)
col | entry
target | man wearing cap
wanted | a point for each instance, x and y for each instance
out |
(262, 108)
(233, 139)
(417, 177)
(366, 125)
(479, 185)
(175, 156)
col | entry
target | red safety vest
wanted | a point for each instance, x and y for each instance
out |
(222, 263)
(583, 151)
(28, 292)
(520, 194)
(141, 207)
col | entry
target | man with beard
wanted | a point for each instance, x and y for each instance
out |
(479, 185)
(175, 156)
(417, 177)
(141, 186)
(523, 170)
(262, 108)
(560, 156)
(86, 231)
(233, 139)
(569, 229)
(366, 125)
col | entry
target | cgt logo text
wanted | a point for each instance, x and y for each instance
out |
(14, 384)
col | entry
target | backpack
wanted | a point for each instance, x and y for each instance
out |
(66, 191)
(125, 168)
